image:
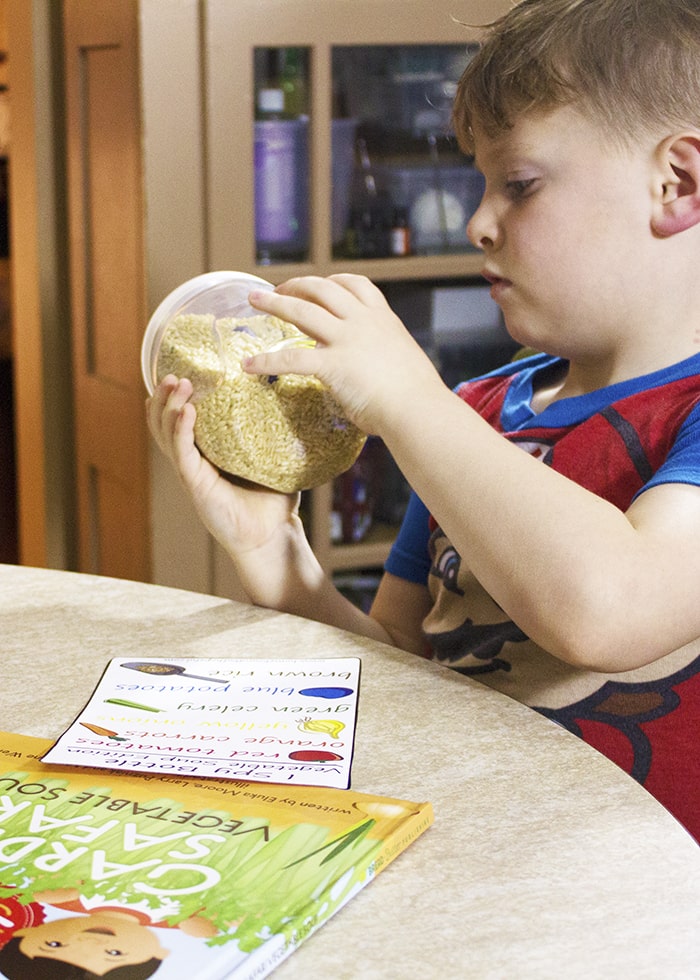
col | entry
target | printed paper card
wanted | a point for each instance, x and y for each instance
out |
(270, 721)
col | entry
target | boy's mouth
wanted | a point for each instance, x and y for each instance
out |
(498, 283)
(493, 277)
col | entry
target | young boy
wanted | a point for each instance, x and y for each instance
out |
(552, 549)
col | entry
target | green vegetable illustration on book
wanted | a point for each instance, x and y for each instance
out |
(105, 941)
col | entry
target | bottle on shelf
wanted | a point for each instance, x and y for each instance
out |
(281, 167)
(368, 234)
(353, 502)
(400, 233)
(292, 75)
(270, 105)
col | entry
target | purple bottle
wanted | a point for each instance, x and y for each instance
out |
(281, 181)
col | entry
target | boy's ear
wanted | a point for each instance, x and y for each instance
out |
(678, 204)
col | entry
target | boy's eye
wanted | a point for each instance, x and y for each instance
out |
(114, 952)
(517, 189)
(53, 944)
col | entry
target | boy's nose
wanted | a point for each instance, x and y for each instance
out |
(481, 228)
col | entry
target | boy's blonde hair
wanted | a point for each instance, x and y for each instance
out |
(628, 65)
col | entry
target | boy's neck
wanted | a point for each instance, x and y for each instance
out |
(548, 390)
(568, 380)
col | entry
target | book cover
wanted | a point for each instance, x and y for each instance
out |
(107, 874)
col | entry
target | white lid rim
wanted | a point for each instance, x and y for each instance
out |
(176, 299)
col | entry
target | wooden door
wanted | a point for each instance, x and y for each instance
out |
(105, 203)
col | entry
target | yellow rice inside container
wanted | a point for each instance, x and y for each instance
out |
(286, 433)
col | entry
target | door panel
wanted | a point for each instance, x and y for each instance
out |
(105, 205)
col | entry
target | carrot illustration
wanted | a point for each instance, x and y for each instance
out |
(104, 732)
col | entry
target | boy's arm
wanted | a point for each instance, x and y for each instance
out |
(401, 606)
(262, 533)
(590, 584)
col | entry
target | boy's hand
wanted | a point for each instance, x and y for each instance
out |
(364, 355)
(259, 528)
(242, 516)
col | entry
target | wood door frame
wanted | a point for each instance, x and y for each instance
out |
(107, 284)
(40, 311)
(83, 497)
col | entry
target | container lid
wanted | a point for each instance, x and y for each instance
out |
(221, 294)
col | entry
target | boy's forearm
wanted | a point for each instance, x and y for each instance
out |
(555, 557)
(285, 575)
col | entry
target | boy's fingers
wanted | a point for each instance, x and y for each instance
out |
(360, 287)
(307, 300)
(311, 317)
(297, 360)
(165, 406)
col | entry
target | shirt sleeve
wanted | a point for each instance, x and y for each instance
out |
(682, 465)
(409, 557)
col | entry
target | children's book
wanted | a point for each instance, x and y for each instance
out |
(121, 876)
(275, 721)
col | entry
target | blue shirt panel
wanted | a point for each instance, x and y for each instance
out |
(408, 558)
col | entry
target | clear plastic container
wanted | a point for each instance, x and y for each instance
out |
(218, 296)
(285, 432)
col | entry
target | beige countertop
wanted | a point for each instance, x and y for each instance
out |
(545, 859)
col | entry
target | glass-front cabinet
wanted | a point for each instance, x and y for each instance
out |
(330, 149)
(409, 192)
(352, 100)
(399, 185)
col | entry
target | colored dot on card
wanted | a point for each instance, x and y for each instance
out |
(326, 692)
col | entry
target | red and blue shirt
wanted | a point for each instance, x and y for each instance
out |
(616, 442)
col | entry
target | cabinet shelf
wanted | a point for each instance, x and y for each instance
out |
(371, 552)
(410, 267)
